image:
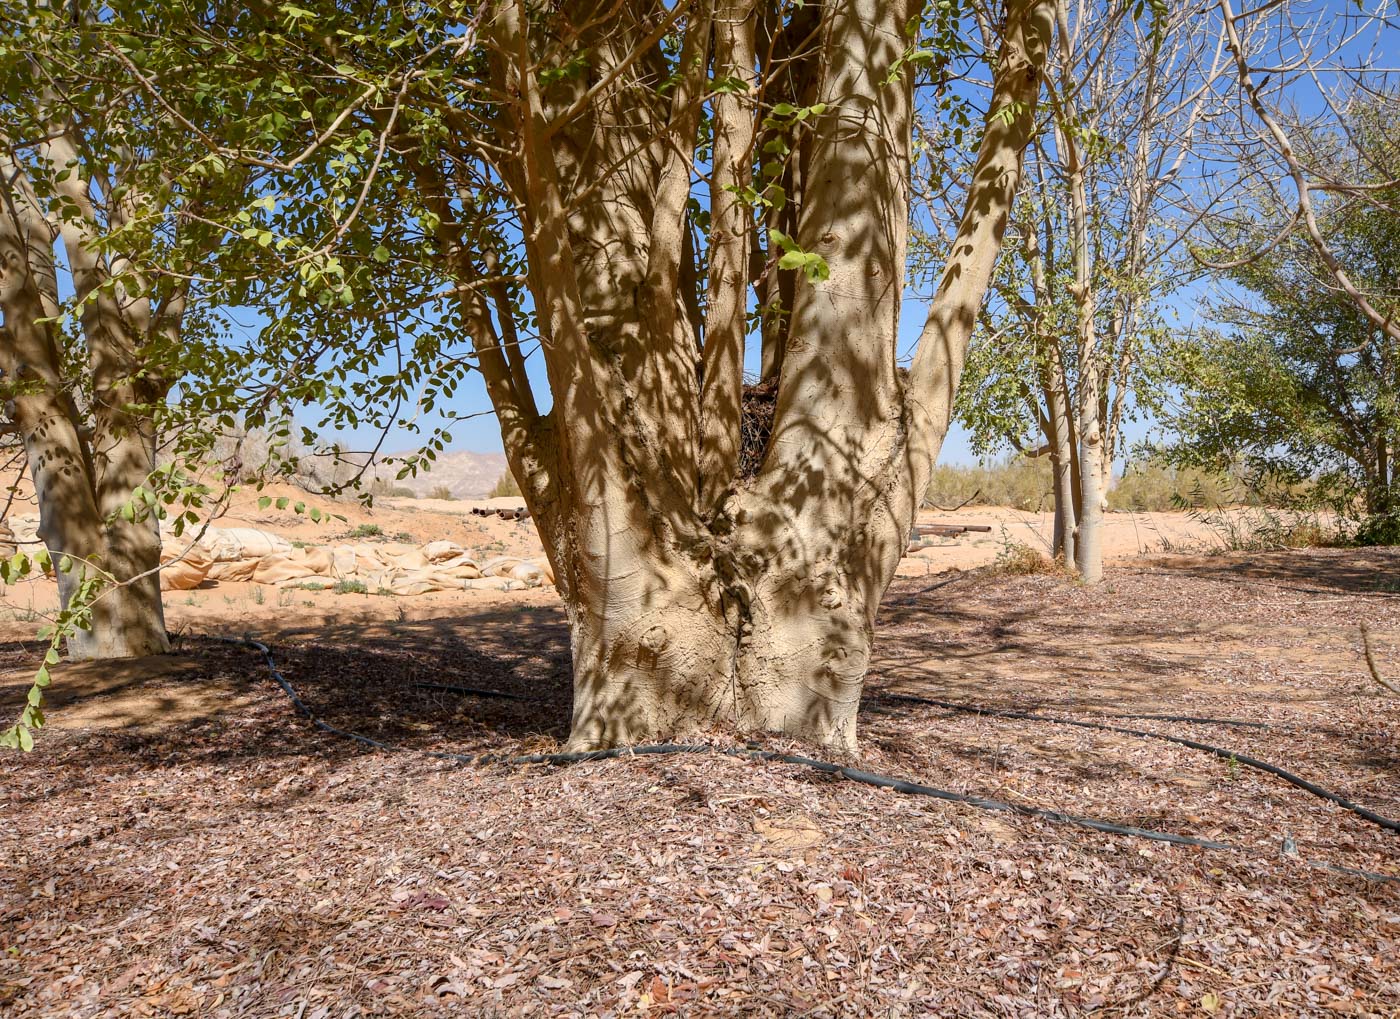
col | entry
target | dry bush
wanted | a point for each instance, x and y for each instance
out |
(443, 492)
(1155, 488)
(1144, 487)
(384, 486)
(1016, 559)
(1019, 482)
(1310, 532)
(1259, 529)
(505, 487)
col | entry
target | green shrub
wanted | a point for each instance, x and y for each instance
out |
(351, 587)
(366, 531)
(1378, 529)
(505, 487)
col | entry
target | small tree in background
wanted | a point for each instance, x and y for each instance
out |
(1065, 355)
(1300, 380)
(95, 281)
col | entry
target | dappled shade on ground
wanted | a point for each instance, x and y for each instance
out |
(236, 862)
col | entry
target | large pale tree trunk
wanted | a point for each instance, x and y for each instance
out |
(696, 598)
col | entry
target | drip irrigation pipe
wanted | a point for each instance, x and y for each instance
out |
(1198, 720)
(470, 691)
(827, 767)
(752, 753)
(1228, 755)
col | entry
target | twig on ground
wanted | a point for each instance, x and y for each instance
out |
(1371, 662)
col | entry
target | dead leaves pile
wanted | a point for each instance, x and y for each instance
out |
(255, 868)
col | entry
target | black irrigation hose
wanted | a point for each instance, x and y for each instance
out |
(854, 774)
(916, 789)
(1228, 755)
(470, 691)
(1198, 720)
(750, 753)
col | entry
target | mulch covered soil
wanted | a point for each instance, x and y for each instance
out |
(246, 864)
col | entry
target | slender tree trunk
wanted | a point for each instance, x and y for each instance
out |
(1089, 539)
(1054, 391)
(1383, 492)
(1066, 523)
(731, 227)
(1089, 549)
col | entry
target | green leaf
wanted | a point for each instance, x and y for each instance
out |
(26, 739)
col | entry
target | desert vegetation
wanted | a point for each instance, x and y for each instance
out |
(719, 279)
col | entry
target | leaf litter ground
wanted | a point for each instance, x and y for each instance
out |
(232, 861)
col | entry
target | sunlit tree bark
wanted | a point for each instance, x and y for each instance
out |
(695, 597)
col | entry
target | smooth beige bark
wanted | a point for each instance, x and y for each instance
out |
(695, 600)
(82, 483)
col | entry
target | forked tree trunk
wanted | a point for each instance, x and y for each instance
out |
(695, 598)
(766, 627)
(79, 492)
(1089, 535)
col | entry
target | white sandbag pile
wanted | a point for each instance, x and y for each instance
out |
(248, 554)
(25, 529)
(184, 566)
(244, 554)
(231, 544)
(183, 569)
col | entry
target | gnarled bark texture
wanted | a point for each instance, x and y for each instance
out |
(696, 597)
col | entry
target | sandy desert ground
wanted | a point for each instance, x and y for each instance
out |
(183, 843)
(417, 521)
